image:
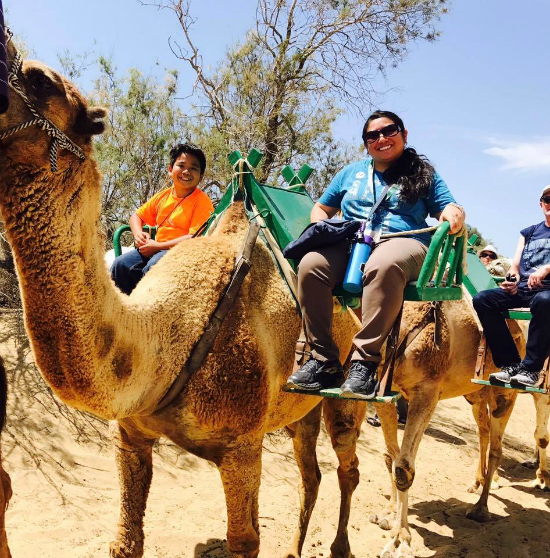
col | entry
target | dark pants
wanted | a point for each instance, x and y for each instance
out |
(489, 306)
(127, 270)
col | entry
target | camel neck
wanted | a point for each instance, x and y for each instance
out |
(79, 325)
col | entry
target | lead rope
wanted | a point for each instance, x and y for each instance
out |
(59, 139)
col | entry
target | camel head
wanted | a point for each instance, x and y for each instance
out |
(58, 101)
(45, 147)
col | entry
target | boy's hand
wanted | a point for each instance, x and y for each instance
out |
(141, 238)
(149, 248)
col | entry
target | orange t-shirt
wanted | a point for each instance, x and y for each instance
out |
(186, 218)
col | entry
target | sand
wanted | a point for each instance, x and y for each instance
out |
(65, 501)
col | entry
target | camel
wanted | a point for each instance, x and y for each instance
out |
(116, 356)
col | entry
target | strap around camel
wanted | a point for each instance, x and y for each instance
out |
(202, 348)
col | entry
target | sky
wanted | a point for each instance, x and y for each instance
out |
(475, 102)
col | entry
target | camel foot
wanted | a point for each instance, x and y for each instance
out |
(120, 549)
(480, 514)
(472, 489)
(397, 548)
(530, 463)
(542, 482)
(340, 549)
(384, 521)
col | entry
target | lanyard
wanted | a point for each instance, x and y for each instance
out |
(173, 209)
(387, 192)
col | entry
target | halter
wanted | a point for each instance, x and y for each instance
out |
(59, 139)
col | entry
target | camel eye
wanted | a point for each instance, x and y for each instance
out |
(41, 84)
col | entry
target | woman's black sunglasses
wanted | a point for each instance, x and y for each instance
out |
(387, 131)
(488, 255)
(545, 199)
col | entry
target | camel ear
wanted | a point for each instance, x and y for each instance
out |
(10, 47)
(90, 121)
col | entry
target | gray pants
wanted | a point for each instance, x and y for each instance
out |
(392, 264)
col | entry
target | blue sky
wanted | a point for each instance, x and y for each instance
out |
(476, 102)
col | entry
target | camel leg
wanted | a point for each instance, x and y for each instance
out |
(240, 469)
(542, 406)
(304, 434)
(5, 495)
(134, 461)
(533, 461)
(501, 406)
(479, 402)
(422, 403)
(343, 420)
(388, 421)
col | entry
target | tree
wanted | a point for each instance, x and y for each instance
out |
(280, 91)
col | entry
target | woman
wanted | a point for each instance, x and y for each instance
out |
(416, 191)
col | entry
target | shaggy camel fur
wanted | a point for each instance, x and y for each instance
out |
(115, 356)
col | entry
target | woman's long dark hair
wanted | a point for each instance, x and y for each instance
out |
(413, 172)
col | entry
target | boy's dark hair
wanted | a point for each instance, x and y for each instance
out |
(180, 148)
(413, 172)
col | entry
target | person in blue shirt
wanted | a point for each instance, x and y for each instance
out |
(415, 192)
(529, 287)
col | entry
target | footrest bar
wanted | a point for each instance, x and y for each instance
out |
(517, 387)
(392, 397)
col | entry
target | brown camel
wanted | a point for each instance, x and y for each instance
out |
(116, 356)
(426, 374)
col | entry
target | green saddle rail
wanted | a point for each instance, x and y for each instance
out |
(117, 246)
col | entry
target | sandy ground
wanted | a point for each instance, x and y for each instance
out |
(65, 502)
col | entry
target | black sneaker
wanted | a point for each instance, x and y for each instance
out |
(525, 377)
(504, 375)
(362, 381)
(316, 374)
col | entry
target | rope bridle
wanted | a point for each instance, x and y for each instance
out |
(59, 139)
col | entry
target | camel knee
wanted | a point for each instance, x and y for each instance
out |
(403, 475)
(348, 477)
(344, 435)
(503, 405)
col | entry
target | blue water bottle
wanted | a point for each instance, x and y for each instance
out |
(360, 252)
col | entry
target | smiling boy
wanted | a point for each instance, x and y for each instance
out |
(177, 212)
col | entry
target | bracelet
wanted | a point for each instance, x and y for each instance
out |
(456, 205)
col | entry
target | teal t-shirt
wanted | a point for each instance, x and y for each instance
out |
(350, 193)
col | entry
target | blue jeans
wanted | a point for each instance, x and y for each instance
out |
(128, 269)
(489, 306)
